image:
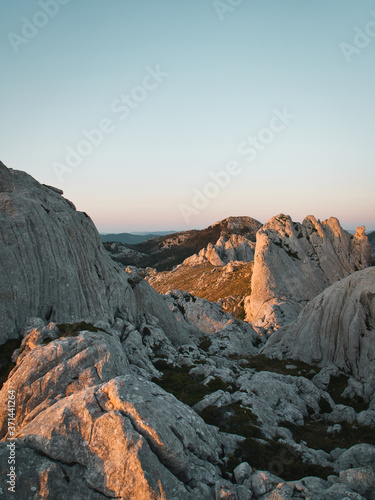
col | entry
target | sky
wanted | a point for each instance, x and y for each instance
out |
(174, 114)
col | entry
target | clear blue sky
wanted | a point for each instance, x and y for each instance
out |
(226, 77)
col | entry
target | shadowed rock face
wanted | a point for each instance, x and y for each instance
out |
(53, 265)
(338, 326)
(295, 262)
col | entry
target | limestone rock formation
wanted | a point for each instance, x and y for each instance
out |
(295, 262)
(50, 367)
(338, 326)
(54, 266)
(237, 242)
(225, 333)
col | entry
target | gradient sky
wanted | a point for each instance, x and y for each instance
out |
(226, 76)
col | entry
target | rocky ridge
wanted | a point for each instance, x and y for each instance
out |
(295, 262)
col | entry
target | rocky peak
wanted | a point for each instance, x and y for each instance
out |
(239, 225)
(236, 242)
(294, 262)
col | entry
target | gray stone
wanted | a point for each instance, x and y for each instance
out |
(228, 336)
(359, 455)
(39, 477)
(242, 472)
(282, 491)
(336, 453)
(232, 247)
(263, 482)
(366, 417)
(335, 327)
(244, 493)
(163, 442)
(342, 413)
(338, 491)
(361, 480)
(224, 490)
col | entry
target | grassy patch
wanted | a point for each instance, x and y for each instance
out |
(205, 344)
(324, 405)
(74, 329)
(263, 454)
(260, 362)
(232, 418)
(314, 433)
(336, 387)
(187, 388)
(210, 283)
(6, 365)
(280, 459)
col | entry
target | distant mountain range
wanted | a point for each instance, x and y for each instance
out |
(132, 238)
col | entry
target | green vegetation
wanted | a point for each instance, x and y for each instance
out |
(314, 433)
(185, 387)
(336, 387)
(263, 454)
(232, 418)
(6, 365)
(324, 405)
(278, 458)
(260, 362)
(73, 330)
(205, 344)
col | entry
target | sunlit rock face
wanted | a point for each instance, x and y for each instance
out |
(54, 266)
(338, 327)
(50, 368)
(295, 262)
(236, 242)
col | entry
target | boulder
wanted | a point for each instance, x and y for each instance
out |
(360, 455)
(51, 368)
(131, 439)
(361, 480)
(226, 335)
(338, 327)
(264, 482)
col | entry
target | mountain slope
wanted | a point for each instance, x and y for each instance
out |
(226, 285)
(165, 252)
(129, 238)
